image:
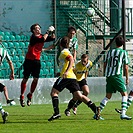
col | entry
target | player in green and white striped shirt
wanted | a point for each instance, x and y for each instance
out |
(4, 54)
(115, 60)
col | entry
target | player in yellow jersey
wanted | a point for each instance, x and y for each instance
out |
(81, 71)
(68, 80)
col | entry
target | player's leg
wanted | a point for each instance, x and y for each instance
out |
(32, 89)
(129, 102)
(55, 103)
(3, 113)
(124, 106)
(88, 102)
(85, 90)
(130, 99)
(3, 88)
(27, 71)
(35, 71)
(58, 86)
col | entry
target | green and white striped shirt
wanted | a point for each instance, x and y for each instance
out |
(115, 60)
(3, 54)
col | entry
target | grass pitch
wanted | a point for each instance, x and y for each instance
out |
(33, 119)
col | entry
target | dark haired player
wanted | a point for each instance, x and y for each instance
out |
(115, 60)
(73, 45)
(68, 80)
(32, 63)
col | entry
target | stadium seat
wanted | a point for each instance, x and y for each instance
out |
(23, 37)
(6, 38)
(21, 73)
(22, 44)
(46, 71)
(7, 33)
(45, 57)
(19, 52)
(5, 44)
(41, 72)
(12, 52)
(18, 64)
(11, 45)
(48, 64)
(26, 44)
(2, 33)
(3, 73)
(43, 64)
(15, 58)
(51, 71)
(12, 37)
(21, 58)
(18, 38)
(5, 65)
(16, 45)
(2, 37)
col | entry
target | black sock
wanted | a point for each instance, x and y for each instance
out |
(92, 106)
(71, 104)
(55, 102)
(78, 102)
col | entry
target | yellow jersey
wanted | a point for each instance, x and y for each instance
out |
(63, 64)
(80, 70)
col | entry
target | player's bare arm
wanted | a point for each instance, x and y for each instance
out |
(126, 74)
(12, 70)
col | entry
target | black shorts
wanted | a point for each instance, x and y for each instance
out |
(1, 87)
(71, 84)
(82, 83)
(31, 67)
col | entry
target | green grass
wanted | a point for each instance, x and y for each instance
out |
(33, 119)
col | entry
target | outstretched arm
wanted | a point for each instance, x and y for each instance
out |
(12, 69)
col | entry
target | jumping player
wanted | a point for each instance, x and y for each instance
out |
(32, 63)
(68, 80)
(114, 62)
(81, 72)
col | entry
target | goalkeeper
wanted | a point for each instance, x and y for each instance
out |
(32, 63)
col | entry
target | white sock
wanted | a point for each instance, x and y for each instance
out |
(124, 105)
(129, 101)
(103, 103)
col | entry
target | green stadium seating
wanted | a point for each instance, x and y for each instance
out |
(18, 38)
(26, 44)
(5, 44)
(15, 58)
(48, 64)
(2, 33)
(12, 37)
(41, 72)
(6, 38)
(2, 37)
(43, 65)
(18, 64)
(16, 45)
(21, 44)
(46, 71)
(5, 65)
(7, 33)
(11, 45)
(21, 58)
(19, 52)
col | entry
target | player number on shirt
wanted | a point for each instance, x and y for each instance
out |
(113, 61)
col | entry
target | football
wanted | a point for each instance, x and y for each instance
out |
(12, 103)
(90, 12)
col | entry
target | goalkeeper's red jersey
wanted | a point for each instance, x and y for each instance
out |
(35, 47)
